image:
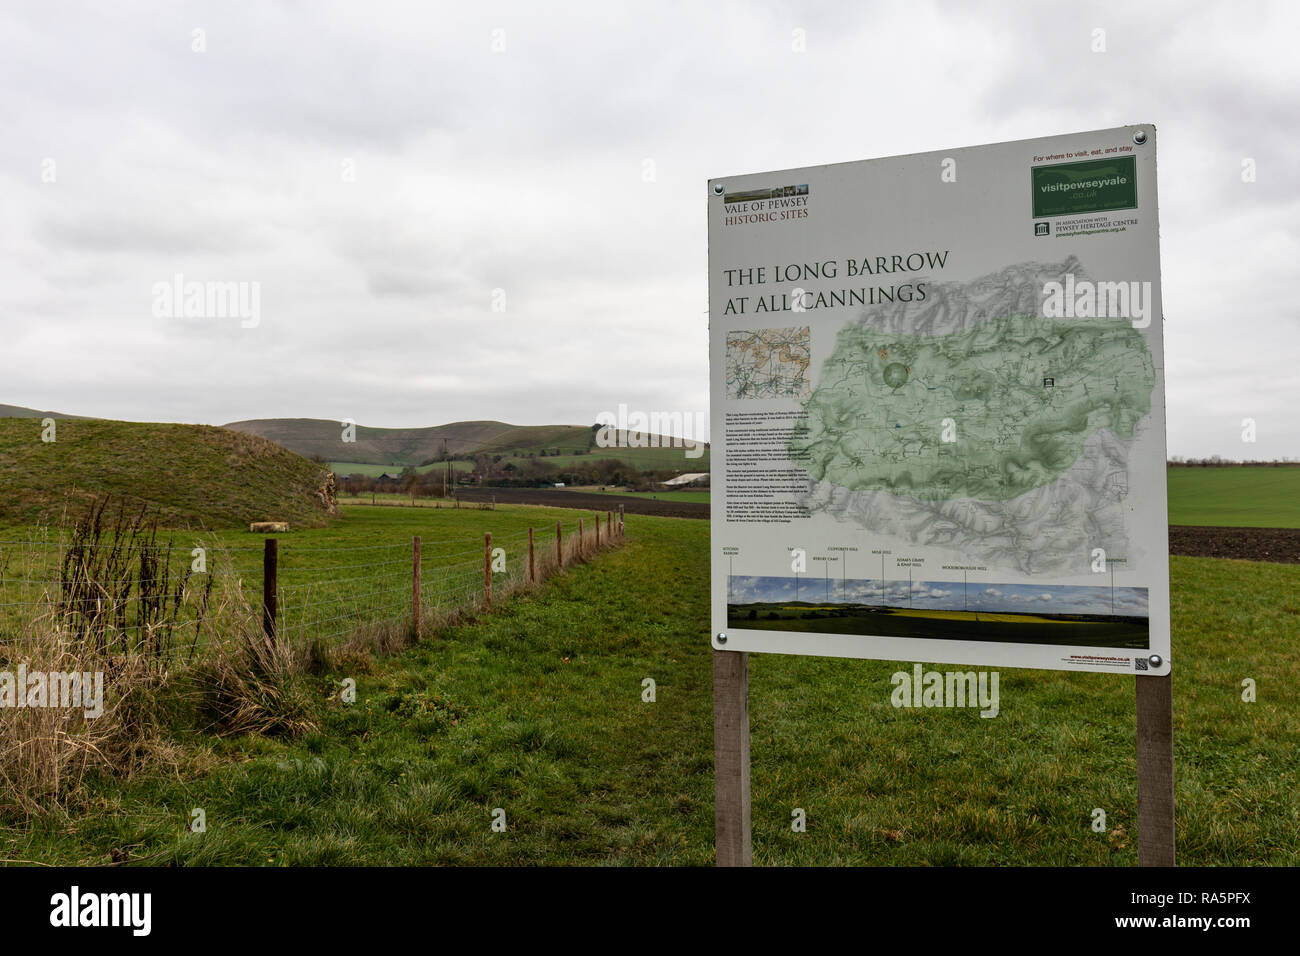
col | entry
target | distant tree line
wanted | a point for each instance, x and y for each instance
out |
(497, 472)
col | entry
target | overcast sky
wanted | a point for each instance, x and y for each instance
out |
(385, 175)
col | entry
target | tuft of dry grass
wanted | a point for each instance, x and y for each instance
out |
(46, 752)
(251, 687)
(246, 684)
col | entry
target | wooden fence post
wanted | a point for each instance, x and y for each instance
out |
(580, 543)
(270, 560)
(415, 586)
(731, 803)
(487, 568)
(532, 570)
(559, 550)
(1155, 770)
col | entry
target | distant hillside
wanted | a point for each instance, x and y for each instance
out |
(197, 476)
(414, 446)
(397, 448)
(17, 411)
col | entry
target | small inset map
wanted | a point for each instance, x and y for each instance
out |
(768, 363)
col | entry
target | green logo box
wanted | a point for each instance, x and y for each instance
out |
(1095, 185)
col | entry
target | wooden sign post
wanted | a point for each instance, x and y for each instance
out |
(731, 758)
(1155, 770)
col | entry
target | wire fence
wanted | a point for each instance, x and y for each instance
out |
(171, 602)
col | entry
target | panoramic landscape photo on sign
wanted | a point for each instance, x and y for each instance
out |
(938, 412)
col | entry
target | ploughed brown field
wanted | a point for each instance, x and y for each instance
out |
(1280, 545)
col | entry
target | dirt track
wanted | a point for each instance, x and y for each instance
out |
(1250, 544)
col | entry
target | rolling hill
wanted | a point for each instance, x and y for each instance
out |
(196, 476)
(17, 411)
(412, 446)
(401, 447)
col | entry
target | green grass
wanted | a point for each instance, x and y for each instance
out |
(639, 459)
(434, 501)
(635, 459)
(1246, 497)
(194, 475)
(520, 440)
(344, 468)
(364, 526)
(357, 568)
(689, 495)
(537, 709)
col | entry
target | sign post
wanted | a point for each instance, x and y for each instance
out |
(938, 422)
(1155, 771)
(731, 758)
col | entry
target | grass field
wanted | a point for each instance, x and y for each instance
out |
(638, 459)
(537, 709)
(701, 495)
(343, 468)
(433, 502)
(1248, 497)
(641, 459)
(392, 449)
(357, 569)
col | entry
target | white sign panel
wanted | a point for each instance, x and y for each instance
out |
(938, 421)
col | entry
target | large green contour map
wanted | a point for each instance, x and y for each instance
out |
(989, 413)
